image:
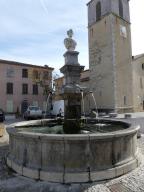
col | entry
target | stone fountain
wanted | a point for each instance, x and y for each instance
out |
(71, 91)
(102, 153)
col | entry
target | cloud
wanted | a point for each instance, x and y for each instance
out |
(33, 30)
(43, 4)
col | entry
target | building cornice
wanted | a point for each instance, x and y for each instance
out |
(108, 15)
(93, 0)
(89, 2)
(137, 56)
(24, 64)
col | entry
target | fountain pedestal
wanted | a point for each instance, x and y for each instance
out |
(71, 91)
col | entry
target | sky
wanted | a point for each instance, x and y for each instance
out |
(32, 31)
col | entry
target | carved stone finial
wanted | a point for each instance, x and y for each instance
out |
(69, 43)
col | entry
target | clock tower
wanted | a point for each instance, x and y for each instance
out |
(110, 56)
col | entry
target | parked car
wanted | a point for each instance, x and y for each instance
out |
(48, 115)
(2, 115)
(32, 112)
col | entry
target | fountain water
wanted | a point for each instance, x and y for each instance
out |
(47, 102)
(96, 108)
(84, 156)
(83, 107)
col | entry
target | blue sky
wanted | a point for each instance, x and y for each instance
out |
(32, 31)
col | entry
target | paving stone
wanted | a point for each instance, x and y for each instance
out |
(119, 187)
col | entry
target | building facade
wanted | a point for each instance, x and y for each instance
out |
(138, 82)
(21, 85)
(115, 77)
(110, 54)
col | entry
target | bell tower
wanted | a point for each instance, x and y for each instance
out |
(110, 54)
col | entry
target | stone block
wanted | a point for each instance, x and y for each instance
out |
(76, 177)
(9, 162)
(103, 175)
(77, 153)
(31, 173)
(52, 155)
(32, 152)
(119, 171)
(16, 167)
(130, 166)
(51, 176)
(100, 154)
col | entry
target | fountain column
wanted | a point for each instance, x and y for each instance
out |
(71, 90)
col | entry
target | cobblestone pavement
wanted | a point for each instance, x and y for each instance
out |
(132, 182)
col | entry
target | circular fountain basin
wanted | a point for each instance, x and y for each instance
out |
(73, 158)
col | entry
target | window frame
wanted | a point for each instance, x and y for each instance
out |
(98, 11)
(35, 89)
(142, 66)
(24, 73)
(121, 14)
(24, 89)
(9, 88)
(125, 100)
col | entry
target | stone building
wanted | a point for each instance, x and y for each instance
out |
(115, 77)
(20, 87)
(110, 54)
(138, 82)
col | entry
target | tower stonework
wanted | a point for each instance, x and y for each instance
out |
(110, 57)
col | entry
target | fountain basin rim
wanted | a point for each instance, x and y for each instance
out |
(14, 129)
(96, 157)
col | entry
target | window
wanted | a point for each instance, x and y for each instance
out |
(9, 88)
(35, 89)
(125, 100)
(36, 74)
(120, 8)
(141, 83)
(25, 73)
(10, 72)
(46, 75)
(98, 11)
(24, 88)
(91, 32)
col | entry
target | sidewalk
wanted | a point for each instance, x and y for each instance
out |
(133, 115)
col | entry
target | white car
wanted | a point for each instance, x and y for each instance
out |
(32, 112)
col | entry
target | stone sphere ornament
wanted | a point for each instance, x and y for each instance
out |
(70, 43)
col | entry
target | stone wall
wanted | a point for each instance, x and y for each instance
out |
(72, 158)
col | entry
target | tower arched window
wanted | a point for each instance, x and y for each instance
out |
(120, 8)
(98, 11)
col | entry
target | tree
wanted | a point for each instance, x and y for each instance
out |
(44, 78)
